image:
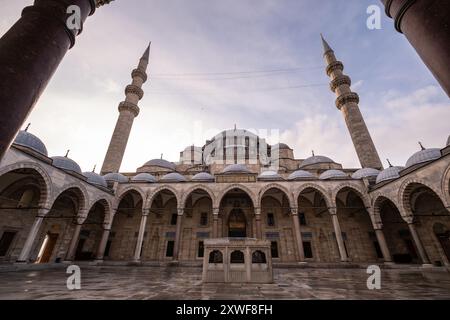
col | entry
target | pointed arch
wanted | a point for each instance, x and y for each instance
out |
(153, 193)
(126, 190)
(279, 187)
(446, 187)
(348, 185)
(202, 187)
(325, 194)
(79, 188)
(43, 177)
(106, 204)
(243, 188)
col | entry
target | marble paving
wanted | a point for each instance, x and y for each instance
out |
(140, 283)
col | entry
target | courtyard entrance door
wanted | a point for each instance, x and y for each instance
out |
(237, 226)
(47, 247)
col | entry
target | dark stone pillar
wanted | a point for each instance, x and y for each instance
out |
(30, 52)
(426, 25)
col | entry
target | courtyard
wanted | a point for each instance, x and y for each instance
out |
(180, 283)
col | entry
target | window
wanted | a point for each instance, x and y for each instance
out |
(6, 241)
(204, 219)
(237, 257)
(307, 249)
(169, 250)
(201, 249)
(215, 257)
(259, 257)
(270, 220)
(173, 220)
(302, 218)
(274, 249)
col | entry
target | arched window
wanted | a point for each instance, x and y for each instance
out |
(215, 257)
(237, 257)
(259, 257)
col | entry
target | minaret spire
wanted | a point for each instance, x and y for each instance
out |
(347, 102)
(128, 110)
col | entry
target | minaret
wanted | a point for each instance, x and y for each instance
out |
(347, 101)
(128, 110)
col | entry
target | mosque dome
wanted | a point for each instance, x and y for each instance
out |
(269, 175)
(236, 168)
(280, 146)
(161, 163)
(26, 139)
(315, 160)
(115, 177)
(389, 174)
(67, 164)
(173, 177)
(365, 173)
(203, 176)
(144, 177)
(96, 179)
(333, 174)
(423, 156)
(300, 174)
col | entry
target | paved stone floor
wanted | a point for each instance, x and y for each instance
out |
(185, 283)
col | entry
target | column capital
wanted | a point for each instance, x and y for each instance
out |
(80, 220)
(332, 210)
(180, 211)
(216, 211)
(42, 212)
(294, 211)
(145, 211)
(257, 211)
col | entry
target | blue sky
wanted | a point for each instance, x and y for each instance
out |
(400, 100)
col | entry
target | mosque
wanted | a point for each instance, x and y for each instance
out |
(312, 211)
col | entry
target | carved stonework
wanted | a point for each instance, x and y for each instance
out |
(128, 106)
(333, 66)
(131, 88)
(347, 98)
(339, 81)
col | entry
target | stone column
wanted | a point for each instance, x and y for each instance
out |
(176, 248)
(215, 223)
(338, 233)
(421, 250)
(25, 253)
(30, 52)
(137, 251)
(383, 245)
(426, 25)
(100, 255)
(76, 235)
(298, 234)
(258, 223)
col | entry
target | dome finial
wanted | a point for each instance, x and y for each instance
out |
(95, 166)
(421, 146)
(146, 55)
(313, 154)
(390, 164)
(326, 46)
(28, 126)
(67, 154)
(162, 154)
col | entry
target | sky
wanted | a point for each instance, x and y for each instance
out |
(256, 64)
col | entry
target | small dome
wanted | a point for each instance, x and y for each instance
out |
(115, 177)
(66, 164)
(236, 168)
(203, 176)
(280, 146)
(144, 177)
(173, 177)
(365, 173)
(423, 156)
(96, 179)
(315, 160)
(161, 163)
(26, 139)
(389, 174)
(269, 175)
(333, 174)
(300, 174)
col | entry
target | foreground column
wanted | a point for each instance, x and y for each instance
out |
(258, 223)
(100, 255)
(176, 248)
(137, 251)
(298, 234)
(73, 243)
(338, 233)
(426, 25)
(30, 52)
(215, 223)
(418, 243)
(25, 253)
(383, 245)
